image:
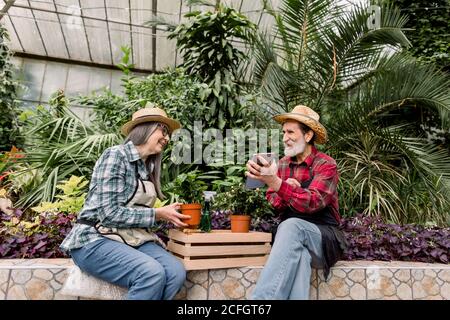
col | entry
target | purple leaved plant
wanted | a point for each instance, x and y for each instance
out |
(42, 243)
(369, 238)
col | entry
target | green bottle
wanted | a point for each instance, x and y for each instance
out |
(205, 221)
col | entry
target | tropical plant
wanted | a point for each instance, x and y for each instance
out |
(429, 26)
(206, 44)
(9, 130)
(7, 160)
(327, 56)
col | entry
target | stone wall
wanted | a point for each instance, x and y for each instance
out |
(42, 279)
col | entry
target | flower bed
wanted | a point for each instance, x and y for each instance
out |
(39, 238)
(368, 237)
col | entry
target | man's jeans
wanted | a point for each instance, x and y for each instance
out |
(287, 273)
(149, 272)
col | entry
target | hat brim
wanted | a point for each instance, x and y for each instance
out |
(317, 127)
(171, 123)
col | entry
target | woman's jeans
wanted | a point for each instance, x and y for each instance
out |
(149, 272)
(287, 273)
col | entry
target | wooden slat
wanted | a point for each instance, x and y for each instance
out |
(219, 236)
(202, 264)
(213, 251)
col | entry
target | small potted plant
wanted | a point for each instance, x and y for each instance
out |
(244, 204)
(188, 188)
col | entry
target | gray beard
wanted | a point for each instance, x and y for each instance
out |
(297, 148)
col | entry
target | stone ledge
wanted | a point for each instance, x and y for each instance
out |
(43, 279)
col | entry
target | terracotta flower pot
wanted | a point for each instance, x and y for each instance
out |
(240, 223)
(195, 211)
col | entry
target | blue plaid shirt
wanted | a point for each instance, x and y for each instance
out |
(113, 183)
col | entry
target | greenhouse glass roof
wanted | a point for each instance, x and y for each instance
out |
(93, 31)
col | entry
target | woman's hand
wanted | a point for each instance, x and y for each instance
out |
(169, 213)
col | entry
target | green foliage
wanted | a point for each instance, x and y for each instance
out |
(110, 110)
(175, 91)
(240, 200)
(71, 199)
(205, 42)
(326, 57)
(234, 175)
(188, 187)
(8, 92)
(430, 24)
(429, 29)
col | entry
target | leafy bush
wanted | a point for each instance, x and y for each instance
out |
(205, 41)
(371, 239)
(368, 237)
(39, 238)
(72, 199)
(7, 159)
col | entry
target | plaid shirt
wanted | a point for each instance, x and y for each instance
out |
(113, 183)
(322, 191)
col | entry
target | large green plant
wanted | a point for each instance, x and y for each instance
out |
(8, 92)
(429, 23)
(326, 56)
(208, 51)
(430, 26)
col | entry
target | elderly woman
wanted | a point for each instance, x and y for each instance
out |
(111, 239)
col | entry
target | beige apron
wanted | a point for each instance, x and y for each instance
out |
(144, 197)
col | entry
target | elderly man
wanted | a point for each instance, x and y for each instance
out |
(302, 189)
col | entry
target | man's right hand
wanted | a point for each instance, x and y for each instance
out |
(169, 213)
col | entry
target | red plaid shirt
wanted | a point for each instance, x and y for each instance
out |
(322, 191)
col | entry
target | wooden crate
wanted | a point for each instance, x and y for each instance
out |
(219, 249)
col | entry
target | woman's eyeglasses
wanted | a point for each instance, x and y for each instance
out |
(165, 130)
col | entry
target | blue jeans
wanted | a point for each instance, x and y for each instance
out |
(287, 273)
(149, 271)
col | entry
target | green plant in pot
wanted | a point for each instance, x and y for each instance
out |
(188, 188)
(244, 203)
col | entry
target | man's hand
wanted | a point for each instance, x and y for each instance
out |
(266, 172)
(293, 182)
(169, 213)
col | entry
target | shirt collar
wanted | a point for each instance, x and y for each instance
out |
(309, 159)
(131, 152)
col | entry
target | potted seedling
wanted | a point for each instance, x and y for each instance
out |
(242, 202)
(188, 189)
